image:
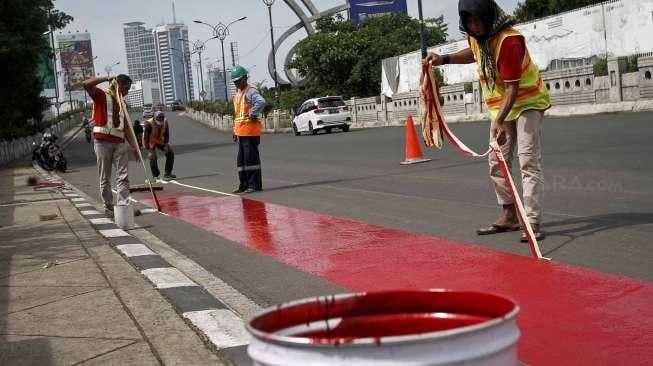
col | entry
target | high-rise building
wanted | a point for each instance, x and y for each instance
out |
(141, 54)
(216, 84)
(173, 60)
(143, 92)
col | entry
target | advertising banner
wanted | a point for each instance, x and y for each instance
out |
(76, 57)
(359, 10)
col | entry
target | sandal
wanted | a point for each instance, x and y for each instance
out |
(496, 229)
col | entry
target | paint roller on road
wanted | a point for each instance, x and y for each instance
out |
(132, 135)
(145, 187)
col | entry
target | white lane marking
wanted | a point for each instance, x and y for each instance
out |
(234, 300)
(71, 195)
(78, 199)
(221, 326)
(134, 250)
(90, 212)
(85, 204)
(113, 233)
(101, 220)
(167, 277)
(203, 189)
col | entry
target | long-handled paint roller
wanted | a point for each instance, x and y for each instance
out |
(132, 135)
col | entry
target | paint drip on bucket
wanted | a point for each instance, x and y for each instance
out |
(432, 327)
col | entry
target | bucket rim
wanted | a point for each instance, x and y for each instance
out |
(298, 341)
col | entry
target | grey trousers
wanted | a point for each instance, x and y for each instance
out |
(108, 154)
(526, 133)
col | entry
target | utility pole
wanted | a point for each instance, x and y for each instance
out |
(54, 68)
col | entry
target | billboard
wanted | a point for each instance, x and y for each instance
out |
(618, 28)
(76, 57)
(45, 70)
(359, 10)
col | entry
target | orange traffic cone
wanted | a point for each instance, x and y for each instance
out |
(413, 150)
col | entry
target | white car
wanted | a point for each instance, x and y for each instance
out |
(321, 114)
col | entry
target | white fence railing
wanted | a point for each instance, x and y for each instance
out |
(18, 148)
(274, 122)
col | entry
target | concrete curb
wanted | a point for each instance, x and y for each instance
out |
(213, 320)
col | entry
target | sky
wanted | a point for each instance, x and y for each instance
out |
(104, 20)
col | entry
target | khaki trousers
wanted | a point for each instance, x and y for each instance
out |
(108, 154)
(526, 134)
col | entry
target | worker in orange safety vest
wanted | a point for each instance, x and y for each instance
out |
(516, 99)
(156, 135)
(248, 104)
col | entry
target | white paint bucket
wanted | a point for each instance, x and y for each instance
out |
(433, 327)
(124, 216)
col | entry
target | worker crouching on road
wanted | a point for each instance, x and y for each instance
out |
(516, 99)
(156, 135)
(248, 104)
(109, 137)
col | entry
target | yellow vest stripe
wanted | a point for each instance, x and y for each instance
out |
(532, 93)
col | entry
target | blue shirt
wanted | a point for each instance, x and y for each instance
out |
(254, 98)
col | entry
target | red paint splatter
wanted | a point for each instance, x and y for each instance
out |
(569, 315)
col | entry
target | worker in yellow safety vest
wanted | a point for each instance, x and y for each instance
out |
(156, 135)
(516, 99)
(248, 105)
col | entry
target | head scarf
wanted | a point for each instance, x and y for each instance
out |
(495, 20)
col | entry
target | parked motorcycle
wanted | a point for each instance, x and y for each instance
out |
(88, 129)
(48, 154)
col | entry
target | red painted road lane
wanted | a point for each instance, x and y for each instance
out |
(569, 315)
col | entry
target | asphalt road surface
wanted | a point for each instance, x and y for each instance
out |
(598, 199)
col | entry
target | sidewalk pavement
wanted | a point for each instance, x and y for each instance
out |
(67, 297)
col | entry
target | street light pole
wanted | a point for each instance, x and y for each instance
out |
(70, 89)
(198, 47)
(422, 42)
(221, 32)
(224, 72)
(54, 67)
(108, 68)
(183, 61)
(269, 4)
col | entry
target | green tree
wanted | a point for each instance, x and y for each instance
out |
(532, 9)
(22, 24)
(345, 59)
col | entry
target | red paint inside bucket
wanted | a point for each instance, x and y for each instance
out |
(341, 320)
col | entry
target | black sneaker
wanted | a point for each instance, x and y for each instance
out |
(238, 190)
(250, 190)
(169, 177)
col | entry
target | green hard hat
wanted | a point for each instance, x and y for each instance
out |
(238, 73)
